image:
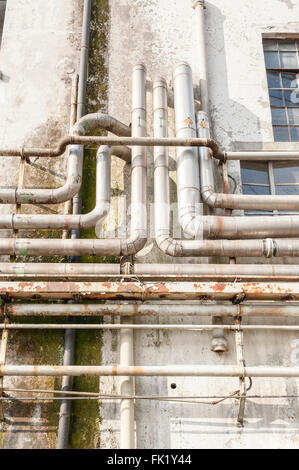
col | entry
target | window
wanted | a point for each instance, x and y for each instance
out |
(282, 65)
(2, 15)
(267, 178)
(282, 178)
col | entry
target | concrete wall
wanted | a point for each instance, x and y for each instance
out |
(161, 34)
(39, 54)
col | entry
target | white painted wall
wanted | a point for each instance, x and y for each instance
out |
(161, 33)
(38, 54)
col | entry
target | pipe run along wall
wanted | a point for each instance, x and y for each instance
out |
(91, 122)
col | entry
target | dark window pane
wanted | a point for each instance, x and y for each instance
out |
(276, 98)
(279, 116)
(288, 60)
(281, 134)
(273, 79)
(250, 189)
(291, 98)
(287, 45)
(293, 115)
(254, 172)
(271, 60)
(287, 190)
(295, 134)
(286, 172)
(289, 80)
(270, 44)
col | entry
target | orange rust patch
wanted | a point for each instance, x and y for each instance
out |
(188, 121)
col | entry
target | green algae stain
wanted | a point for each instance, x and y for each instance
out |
(85, 420)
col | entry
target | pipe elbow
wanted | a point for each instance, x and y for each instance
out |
(96, 216)
(209, 197)
(133, 245)
(169, 246)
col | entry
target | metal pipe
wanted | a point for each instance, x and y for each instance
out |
(199, 7)
(193, 223)
(149, 370)
(237, 201)
(72, 185)
(70, 334)
(278, 155)
(266, 309)
(117, 247)
(203, 271)
(127, 329)
(101, 140)
(77, 220)
(188, 193)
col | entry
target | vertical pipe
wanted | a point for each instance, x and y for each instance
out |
(138, 224)
(199, 7)
(70, 335)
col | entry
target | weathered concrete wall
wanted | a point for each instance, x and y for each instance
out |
(34, 100)
(161, 34)
(39, 54)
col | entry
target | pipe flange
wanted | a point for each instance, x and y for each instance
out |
(268, 247)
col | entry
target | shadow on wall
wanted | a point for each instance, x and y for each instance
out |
(223, 108)
(2, 15)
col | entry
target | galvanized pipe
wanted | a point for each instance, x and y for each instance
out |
(127, 328)
(203, 271)
(162, 371)
(266, 309)
(278, 155)
(77, 220)
(239, 201)
(70, 334)
(193, 223)
(100, 140)
(73, 182)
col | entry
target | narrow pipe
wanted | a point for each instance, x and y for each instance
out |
(266, 309)
(72, 185)
(100, 140)
(162, 371)
(237, 201)
(127, 328)
(76, 220)
(70, 334)
(137, 237)
(278, 155)
(199, 7)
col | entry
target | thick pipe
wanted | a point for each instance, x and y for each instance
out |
(199, 7)
(137, 237)
(128, 328)
(192, 222)
(76, 220)
(88, 270)
(162, 371)
(266, 309)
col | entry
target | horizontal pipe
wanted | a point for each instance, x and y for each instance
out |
(88, 123)
(241, 201)
(100, 140)
(115, 326)
(278, 155)
(272, 309)
(169, 370)
(89, 270)
(73, 221)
